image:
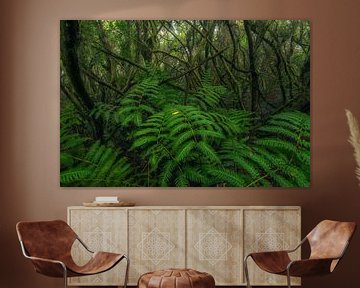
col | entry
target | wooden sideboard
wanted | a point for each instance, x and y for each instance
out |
(212, 239)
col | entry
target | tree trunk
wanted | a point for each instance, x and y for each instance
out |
(255, 90)
(69, 44)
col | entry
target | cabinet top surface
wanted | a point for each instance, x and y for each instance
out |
(192, 207)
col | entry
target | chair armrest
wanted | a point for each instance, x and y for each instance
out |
(267, 254)
(309, 267)
(49, 267)
(271, 261)
(280, 251)
(46, 260)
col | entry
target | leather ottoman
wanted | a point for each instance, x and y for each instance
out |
(176, 278)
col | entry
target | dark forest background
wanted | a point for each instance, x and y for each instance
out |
(185, 103)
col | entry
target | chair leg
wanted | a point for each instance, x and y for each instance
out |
(246, 270)
(65, 276)
(126, 271)
(288, 278)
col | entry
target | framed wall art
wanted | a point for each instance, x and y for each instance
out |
(185, 103)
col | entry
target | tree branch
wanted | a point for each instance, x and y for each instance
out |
(101, 82)
(193, 68)
(120, 58)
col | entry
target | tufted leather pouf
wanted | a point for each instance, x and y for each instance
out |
(176, 278)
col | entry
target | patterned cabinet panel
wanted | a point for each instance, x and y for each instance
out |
(156, 240)
(214, 244)
(271, 229)
(101, 230)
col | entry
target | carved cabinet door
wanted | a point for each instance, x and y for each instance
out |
(101, 230)
(156, 240)
(214, 244)
(270, 230)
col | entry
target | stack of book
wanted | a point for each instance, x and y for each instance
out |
(106, 199)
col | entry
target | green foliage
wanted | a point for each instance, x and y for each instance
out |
(97, 166)
(280, 155)
(208, 96)
(163, 103)
(184, 145)
(137, 104)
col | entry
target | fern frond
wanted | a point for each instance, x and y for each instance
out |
(246, 165)
(74, 175)
(167, 172)
(282, 181)
(285, 133)
(196, 176)
(277, 144)
(71, 141)
(185, 150)
(227, 177)
(141, 132)
(181, 181)
(66, 160)
(296, 174)
(101, 166)
(105, 164)
(208, 151)
(183, 138)
(207, 96)
(103, 111)
(139, 103)
(120, 174)
(179, 128)
(71, 121)
(144, 140)
(95, 152)
(303, 156)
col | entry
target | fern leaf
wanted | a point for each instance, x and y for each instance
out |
(183, 138)
(145, 131)
(227, 176)
(208, 151)
(95, 153)
(165, 176)
(211, 134)
(280, 131)
(246, 165)
(185, 151)
(143, 141)
(276, 144)
(74, 175)
(296, 174)
(195, 175)
(179, 128)
(181, 181)
(281, 181)
(120, 174)
(66, 160)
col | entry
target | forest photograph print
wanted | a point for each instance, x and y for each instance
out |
(185, 103)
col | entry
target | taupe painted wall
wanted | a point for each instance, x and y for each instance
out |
(29, 119)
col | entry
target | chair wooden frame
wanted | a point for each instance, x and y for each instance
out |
(65, 270)
(314, 265)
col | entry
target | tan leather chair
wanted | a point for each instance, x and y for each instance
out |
(328, 242)
(48, 245)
